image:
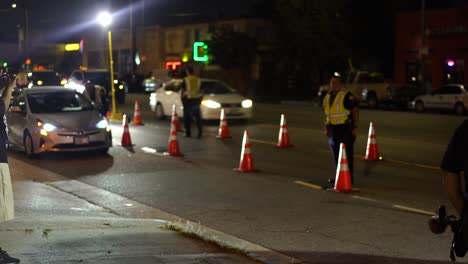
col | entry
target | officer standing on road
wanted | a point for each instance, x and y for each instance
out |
(454, 165)
(96, 94)
(341, 120)
(191, 100)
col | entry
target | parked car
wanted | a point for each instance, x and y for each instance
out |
(217, 96)
(402, 94)
(99, 77)
(53, 119)
(151, 84)
(448, 97)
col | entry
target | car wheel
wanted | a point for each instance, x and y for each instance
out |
(160, 112)
(419, 106)
(459, 109)
(372, 101)
(28, 145)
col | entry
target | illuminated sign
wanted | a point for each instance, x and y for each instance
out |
(72, 47)
(200, 51)
(173, 64)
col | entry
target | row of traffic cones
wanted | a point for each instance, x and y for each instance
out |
(342, 177)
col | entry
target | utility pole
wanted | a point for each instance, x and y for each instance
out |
(132, 39)
(424, 49)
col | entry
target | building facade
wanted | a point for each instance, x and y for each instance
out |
(164, 48)
(436, 57)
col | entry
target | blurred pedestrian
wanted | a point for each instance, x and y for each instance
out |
(6, 190)
(341, 120)
(454, 164)
(22, 79)
(97, 94)
(191, 100)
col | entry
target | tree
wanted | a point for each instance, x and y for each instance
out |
(231, 49)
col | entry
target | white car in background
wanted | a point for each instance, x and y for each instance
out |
(448, 97)
(217, 96)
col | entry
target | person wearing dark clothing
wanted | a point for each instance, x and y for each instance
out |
(191, 100)
(341, 121)
(7, 84)
(454, 164)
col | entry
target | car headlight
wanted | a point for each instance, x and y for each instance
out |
(40, 82)
(45, 127)
(211, 104)
(102, 124)
(247, 103)
(116, 81)
(48, 127)
(121, 87)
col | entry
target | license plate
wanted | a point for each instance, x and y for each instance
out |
(81, 140)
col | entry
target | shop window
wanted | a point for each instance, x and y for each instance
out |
(412, 71)
(454, 71)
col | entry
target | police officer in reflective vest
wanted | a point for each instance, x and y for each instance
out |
(191, 99)
(341, 120)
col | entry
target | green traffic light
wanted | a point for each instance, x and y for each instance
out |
(4, 64)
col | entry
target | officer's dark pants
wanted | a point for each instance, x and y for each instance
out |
(192, 110)
(342, 134)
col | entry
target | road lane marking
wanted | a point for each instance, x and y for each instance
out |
(310, 185)
(364, 198)
(262, 141)
(413, 210)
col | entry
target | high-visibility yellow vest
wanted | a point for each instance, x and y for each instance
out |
(22, 78)
(335, 112)
(192, 87)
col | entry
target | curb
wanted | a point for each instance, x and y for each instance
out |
(122, 206)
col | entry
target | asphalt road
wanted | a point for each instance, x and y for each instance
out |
(385, 222)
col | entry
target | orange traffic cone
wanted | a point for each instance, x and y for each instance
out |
(372, 151)
(283, 138)
(175, 119)
(343, 176)
(223, 131)
(173, 148)
(126, 140)
(137, 117)
(246, 160)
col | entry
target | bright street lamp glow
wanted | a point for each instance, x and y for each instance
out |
(104, 18)
(13, 5)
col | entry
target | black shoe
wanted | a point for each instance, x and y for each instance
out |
(7, 259)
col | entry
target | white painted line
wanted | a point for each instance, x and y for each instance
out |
(413, 210)
(149, 150)
(364, 198)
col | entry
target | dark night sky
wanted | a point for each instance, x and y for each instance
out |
(65, 20)
(62, 19)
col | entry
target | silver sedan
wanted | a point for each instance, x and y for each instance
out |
(53, 119)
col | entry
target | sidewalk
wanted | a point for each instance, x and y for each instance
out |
(52, 226)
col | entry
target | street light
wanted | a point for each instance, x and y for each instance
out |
(105, 19)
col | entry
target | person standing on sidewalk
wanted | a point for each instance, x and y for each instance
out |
(191, 100)
(341, 120)
(6, 190)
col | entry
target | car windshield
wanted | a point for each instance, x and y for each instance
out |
(46, 77)
(101, 78)
(58, 102)
(213, 87)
